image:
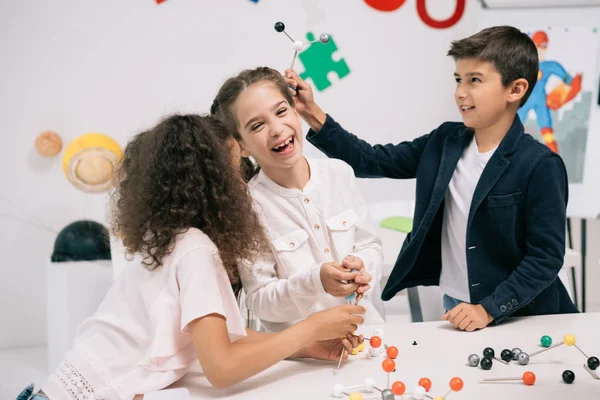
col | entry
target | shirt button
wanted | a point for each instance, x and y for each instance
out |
(509, 305)
(344, 223)
(292, 244)
(515, 302)
(317, 227)
(326, 250)
(503, 308)
(306, 200)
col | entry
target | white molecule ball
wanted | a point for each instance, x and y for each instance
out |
(373, 352)
(369, 383)
(324, 38)
(338, 390)
(419, 393)
(298, 45)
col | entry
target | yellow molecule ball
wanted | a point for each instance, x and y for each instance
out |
(355, 396)
(361, 346)
(569, 339)
(438, 398)
(355, 351)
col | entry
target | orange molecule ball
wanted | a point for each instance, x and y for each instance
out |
(388, 365)
(426, 383)
(392, 352)
(398, 388)
(456, 384)
(375, 342)
(529, 378)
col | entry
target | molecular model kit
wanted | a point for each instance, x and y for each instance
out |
(299, 45)
(369, 390)
(522, 358)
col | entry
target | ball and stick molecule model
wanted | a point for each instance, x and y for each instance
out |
(299, 45)
(523, 358)
(397, 388)
(528, 378)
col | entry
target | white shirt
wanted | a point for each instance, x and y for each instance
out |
(138, 341)
(454, 279)
(326, 221)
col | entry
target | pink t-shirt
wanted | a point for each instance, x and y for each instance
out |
(138, 341)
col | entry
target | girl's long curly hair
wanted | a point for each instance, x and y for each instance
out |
(178, 175)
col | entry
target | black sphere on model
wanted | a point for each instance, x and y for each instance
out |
(568, 376)
(489, 352)
(593, 362)
(279, 26)
(486, 363)
(506, 355)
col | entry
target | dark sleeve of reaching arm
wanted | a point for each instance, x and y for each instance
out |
(399, 161)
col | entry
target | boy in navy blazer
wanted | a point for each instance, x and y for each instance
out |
(490, 214)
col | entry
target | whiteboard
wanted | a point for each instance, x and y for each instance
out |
(584, 196)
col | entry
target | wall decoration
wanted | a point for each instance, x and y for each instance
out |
(89, 161)
(48, 144)
(393, 5)
(558, 110)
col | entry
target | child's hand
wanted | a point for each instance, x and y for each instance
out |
(353, 262)
(468, 317)
(335, 322)
(303, 95)
(331, 349)
(335, 279)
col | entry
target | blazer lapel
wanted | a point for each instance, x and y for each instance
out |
(497, 165)
(454, 146)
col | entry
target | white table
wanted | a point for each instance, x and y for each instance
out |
(441, 354)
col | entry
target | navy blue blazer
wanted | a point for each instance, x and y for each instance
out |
(516, 224)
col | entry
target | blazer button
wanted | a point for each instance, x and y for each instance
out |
(503, 308)
(515, 302)
(509, 305)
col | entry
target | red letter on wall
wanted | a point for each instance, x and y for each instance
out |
(385, 5)
(441, 24)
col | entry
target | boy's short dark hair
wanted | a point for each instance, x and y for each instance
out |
(510, 51)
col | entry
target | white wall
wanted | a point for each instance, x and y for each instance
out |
(115, 67)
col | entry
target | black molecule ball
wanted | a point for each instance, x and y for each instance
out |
(568, 376)
(279, 26)
(486, 363)
(489, 352)
(593, 362)
(506, 355)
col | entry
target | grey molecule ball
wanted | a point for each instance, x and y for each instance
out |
(473, 360)
(523, 358)
(387, 394)
(324, 38)
(516, 351)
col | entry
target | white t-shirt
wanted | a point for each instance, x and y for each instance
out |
(138, 340)
(454, 280)
(326, 221)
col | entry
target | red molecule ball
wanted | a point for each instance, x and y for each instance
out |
(456, 384)
(375, 342)
(388, 365)
(398, 388)
(392, 352)
(529, 378)
(426, 383)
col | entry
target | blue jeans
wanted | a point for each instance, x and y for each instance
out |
(450, 302)
(27, 394)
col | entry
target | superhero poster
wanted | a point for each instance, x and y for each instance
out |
(558, 111)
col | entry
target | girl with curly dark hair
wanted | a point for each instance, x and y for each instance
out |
(181, 203)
